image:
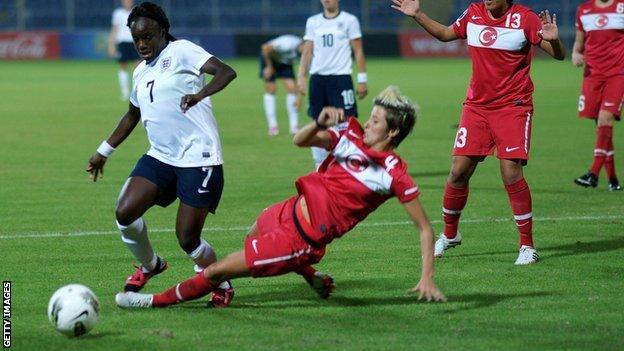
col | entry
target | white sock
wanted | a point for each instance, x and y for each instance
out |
(123, 83)
(135, 237)
(269, 110)
(203, 256)
(293, 114)
(319, 155)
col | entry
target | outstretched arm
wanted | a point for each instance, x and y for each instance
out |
(550, 36)
(126, 125)
(426, 287)
(222, 76)
(412, 8)
(315, 133)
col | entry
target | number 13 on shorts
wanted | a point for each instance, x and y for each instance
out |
(461, 137)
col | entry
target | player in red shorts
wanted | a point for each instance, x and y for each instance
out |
(498, 108)
(599, 45)
(361, 172)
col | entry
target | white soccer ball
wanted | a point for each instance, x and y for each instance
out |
(73, 310)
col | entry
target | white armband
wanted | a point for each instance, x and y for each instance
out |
(362, 77)
(105, 149)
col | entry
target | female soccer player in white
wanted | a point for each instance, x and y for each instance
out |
(361, 173)
(121, 46)
(184, 160)
(331, 37)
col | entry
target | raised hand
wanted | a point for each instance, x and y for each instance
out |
(330, 116)
(549, 30)
(408, 7)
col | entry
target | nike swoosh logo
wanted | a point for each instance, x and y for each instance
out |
(201, 191)
(510, 149)
(609, 104)
(351, 133)
(84, 313)
(586, 11)
(253, 243)
(475, 17)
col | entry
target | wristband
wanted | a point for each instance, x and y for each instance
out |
(319, 126)
(362, 77)
(105, 149)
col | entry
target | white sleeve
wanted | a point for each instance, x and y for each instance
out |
(192, 55)
(117, 20)
(278, 44)
(353, 29)
(309, 31)
(133, 95)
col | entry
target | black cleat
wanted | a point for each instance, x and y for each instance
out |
(586, 180)
(614, 185)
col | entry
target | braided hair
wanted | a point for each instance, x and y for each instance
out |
(400, 112)
(152, 11)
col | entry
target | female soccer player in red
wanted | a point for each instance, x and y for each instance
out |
(361, 172)
(599, 45)
(498, 108)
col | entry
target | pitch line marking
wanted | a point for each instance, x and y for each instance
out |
(373, 224)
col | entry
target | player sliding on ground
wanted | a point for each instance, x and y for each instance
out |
(498, 109)
(361, 173)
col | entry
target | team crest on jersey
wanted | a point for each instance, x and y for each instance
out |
(601, 21)
(166, 63)
(488, 36)
(356, 163)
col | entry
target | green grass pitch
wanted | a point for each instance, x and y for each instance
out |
(57, 227)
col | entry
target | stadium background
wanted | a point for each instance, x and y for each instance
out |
(78, 28)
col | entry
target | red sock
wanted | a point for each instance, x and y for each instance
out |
(604, 134)
(520, 199)
(189, 289)
(609, 163)
(452, 205)
(307, 273)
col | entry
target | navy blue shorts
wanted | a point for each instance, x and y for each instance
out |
(336, 91)
(281, 70)
(199, 187)
(126, 52)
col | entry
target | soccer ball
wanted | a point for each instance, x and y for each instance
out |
(73, 310)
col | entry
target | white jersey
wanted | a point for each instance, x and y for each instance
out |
(285, 48)
(120, 19)
(179, 139)
(332, 42)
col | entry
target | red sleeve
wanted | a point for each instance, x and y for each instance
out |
(460, 25)
(403, 187)
(577, 23)
(533, 26)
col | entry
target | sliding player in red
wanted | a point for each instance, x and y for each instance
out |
(498, 108)
(599, 45)
(361, 172)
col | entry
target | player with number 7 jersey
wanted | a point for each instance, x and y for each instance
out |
(184, 159)
(498, 108)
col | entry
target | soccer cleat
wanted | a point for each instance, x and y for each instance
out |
(273, 131)
(527, 255)
(131, 299)
(588, 179)
(443, 243)
(137, 281)
(222, 297)
(614, 185)
(323, 284)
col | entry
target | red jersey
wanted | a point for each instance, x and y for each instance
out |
(500, 50)
(604, 38)
(351, 183)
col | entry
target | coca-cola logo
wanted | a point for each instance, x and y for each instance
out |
(25, 45)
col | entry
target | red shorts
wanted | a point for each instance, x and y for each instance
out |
(481, 131)
(278, 248)
(601, 94)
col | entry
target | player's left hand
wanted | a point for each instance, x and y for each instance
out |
(549, 30)
(189, 101)
(362, 90)
(426, 289)
(330, 116)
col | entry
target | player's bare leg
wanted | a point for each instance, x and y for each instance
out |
(454, 201)
(521, 206)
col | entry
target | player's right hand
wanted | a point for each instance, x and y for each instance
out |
(96, 166)
(112, 52)
(427, 289)
(330, 116)
(578, 59)
(408, 7)
(267, 72)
